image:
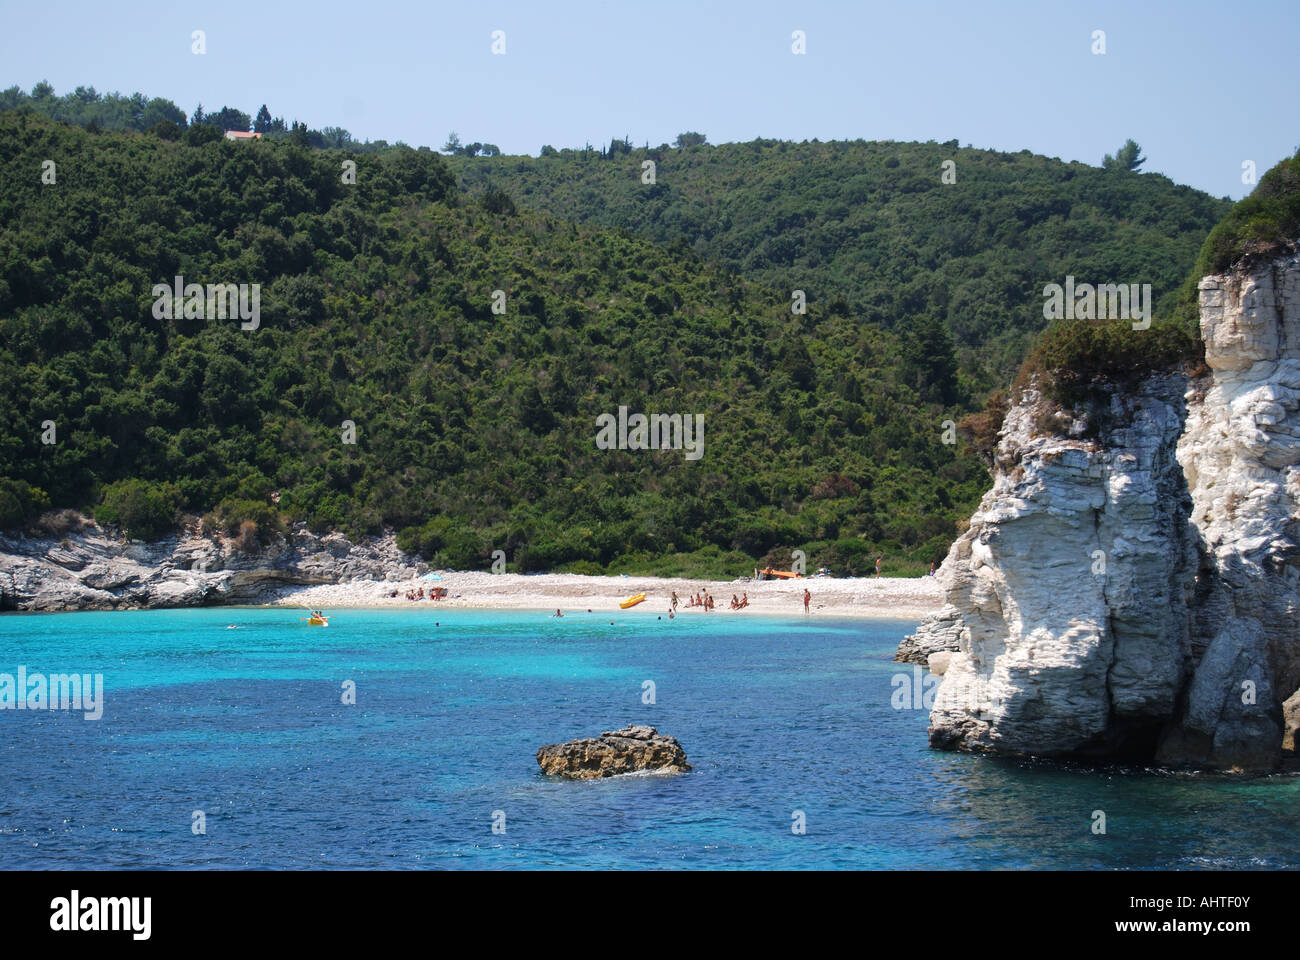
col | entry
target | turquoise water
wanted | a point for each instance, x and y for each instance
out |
(776, 716)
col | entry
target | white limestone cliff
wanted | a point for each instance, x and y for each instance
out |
(1135, 596)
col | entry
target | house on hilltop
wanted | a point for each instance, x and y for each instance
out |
(242, 135)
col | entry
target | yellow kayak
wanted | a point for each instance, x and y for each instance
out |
(632, 601)
(318, 621)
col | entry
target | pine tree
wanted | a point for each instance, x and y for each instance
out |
(1127, 157)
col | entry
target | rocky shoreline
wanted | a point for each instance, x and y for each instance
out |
(89, 569)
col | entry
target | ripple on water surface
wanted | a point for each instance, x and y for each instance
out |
(779, 717)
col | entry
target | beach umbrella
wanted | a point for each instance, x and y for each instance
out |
(432, 576)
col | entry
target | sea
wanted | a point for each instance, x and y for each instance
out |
(242, 738)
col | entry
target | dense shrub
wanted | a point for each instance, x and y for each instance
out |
(447, 543)
(1074, 359)
(1265, 221)
(19, 503)
(143, 509)
(249, 521)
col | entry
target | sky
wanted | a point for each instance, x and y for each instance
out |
(1203, 86)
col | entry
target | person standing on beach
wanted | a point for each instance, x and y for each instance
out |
(878, 559)
(807, 597)
(674, 599)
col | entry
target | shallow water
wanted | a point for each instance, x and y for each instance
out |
(776, 716)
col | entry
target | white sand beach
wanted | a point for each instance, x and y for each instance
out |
(866, 597)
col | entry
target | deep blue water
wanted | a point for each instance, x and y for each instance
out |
(776, 715)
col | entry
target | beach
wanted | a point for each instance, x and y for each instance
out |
(900, 598)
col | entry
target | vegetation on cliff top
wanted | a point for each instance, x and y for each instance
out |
(1078, 362)
(1266, 221)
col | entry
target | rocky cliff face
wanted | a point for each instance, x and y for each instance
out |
(1135, 596)
(90, 570)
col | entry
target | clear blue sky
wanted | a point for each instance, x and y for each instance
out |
(1201, 86)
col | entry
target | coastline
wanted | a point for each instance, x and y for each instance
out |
(89, 568)
(889, 598)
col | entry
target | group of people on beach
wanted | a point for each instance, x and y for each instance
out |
(435, 593)
(704, 600)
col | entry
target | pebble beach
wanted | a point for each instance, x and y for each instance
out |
(868, 597)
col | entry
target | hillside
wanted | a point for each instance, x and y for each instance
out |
(476, 431)
(872, 227)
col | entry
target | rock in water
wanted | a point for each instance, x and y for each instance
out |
(1291, 723)
(614, 752)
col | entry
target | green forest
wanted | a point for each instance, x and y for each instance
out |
(474, 412)
(873, 229)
